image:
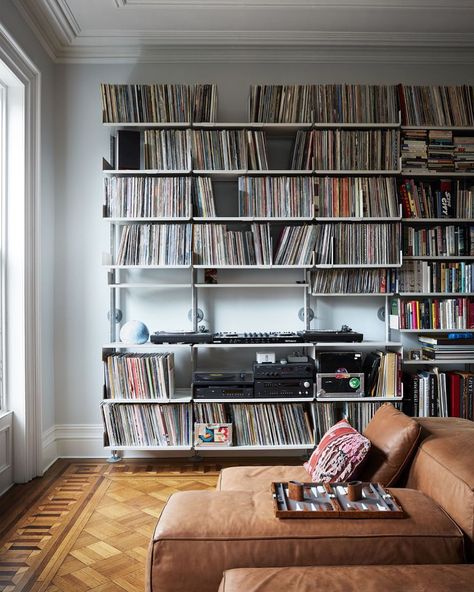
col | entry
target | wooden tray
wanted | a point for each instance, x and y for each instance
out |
(329, 500)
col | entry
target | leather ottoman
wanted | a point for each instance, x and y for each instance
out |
(201, 534)
(379, 578)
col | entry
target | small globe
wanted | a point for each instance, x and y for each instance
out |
(134, 332)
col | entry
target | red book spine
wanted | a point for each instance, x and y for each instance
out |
(455, 394)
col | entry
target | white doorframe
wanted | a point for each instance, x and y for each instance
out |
(23, 312)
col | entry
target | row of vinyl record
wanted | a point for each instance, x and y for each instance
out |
(434, 313)
(434, 276)
(340, 150)
(437, 105)
(437, 151)
(263, 424)
(432, 393)
(216, 244)
(328, 103)
(153, 103)
(266, 196)
(358, 415)
(354, 281)
(139, 376)
(437, 199)
(438, 241)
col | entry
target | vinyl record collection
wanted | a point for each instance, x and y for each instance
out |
(203, 197)
(358, 244)
(229, 150)
(158, 103)
(354, 281)
(214, 244)
(339, 150)
(155, 244)
(139, 376)
(148, 197)
(283, 197)
(147, 424)
(167, 150)
(434, 276)
(296, 245)
(356, 197)
(437, 105)
(323, 103)
(438, 241)
(265, 424)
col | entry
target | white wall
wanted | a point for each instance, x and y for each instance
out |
(14, 23)
(81, 296)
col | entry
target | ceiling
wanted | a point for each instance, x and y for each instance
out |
(428, 31)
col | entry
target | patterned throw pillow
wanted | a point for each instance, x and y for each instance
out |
(338, 454)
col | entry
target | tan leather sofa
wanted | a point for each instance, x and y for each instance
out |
(202, 534)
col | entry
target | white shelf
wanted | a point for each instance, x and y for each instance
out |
(332, 125)
(409, 173)
(350, 294)
(257, 345)
(437, 220)
(357, 344)
(453, 128)
(149, 266)
(255, 219)
(152, 124)
(358, 265)
(160, 172)
(433, 330)
(138, 220)
(147, 345)
(255, 400)
(438, 362)
(149, 448)
(437, 294)
(357, 219)
(362, 172)
(356, 399)
(251, 286)
(257, 447)
(180, 396)
(438, 258)
(213, 266)
(127, 286)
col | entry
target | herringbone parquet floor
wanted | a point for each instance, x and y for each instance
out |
(88, 529)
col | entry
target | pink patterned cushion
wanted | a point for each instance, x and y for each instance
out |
(338, 454)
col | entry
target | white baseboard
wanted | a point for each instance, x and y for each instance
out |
(6, 459)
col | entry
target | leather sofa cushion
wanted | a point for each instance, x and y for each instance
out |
(393, 436)
(443, 468)
(200, 534)
(258, 478)
(383, 578)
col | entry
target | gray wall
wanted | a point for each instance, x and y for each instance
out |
(14, 23)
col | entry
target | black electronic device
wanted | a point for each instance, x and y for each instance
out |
(339, 361)
(128, 150)
(222, 378)
(278, 370)
(256, 337)
(222, 392)
(334, 385)
(180, 337)
(285, 387)
(344, 335)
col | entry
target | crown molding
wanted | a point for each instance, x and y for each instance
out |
(381, 4)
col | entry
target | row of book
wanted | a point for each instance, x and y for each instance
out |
(434, 313)
(158, 103)
(325, 103)
(272, 424)
(438, 241)
(434, 276)
(147, 424)
(338, 150)
(438, 199)
(358, 415)
(354, 281)
(383, 372)
(440, 394)
(358, 244)
(448, 348)
(437, 105)
(356, 197)
(155, 244)
(436, 151)
(139, 376)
